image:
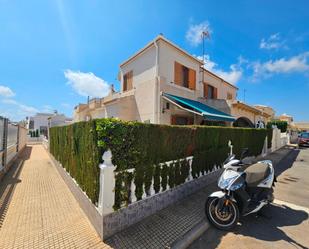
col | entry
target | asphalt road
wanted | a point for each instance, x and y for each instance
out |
(283, 224)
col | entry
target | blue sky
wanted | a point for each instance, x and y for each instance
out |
(50, 48)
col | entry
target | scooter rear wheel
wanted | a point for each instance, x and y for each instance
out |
(222, 219)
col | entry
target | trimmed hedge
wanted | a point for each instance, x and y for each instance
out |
(75, 147)
(282, 125)
(143, 147)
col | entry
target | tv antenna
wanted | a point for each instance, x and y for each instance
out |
(205, 35)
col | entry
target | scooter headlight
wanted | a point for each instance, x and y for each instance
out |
(236, 186)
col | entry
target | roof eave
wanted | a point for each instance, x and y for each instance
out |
(150, 44)
(213, 74)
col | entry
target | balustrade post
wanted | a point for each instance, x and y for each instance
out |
(107, 184)
(133, 188)
(190, 177)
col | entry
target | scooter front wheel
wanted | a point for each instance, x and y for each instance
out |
(224, 215)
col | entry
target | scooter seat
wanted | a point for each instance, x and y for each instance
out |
(256, 173)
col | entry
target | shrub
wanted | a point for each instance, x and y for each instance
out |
(144, 147)
(75, 147)
(282, 125)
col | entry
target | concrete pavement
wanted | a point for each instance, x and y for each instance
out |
(37, 210)
(284, 224)
(174, 226)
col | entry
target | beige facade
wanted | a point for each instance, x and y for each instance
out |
(266, 109)
(247, 113)
(301, 126)
(159, 68)
(287, 118)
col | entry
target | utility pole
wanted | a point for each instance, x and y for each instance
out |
(205, 34)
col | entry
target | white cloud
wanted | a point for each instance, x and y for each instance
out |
(66, 105)
(233, 75)
(9, 101)
(87, 84)
(194, 33)
(272, 42)
(48, 109)
(298, 63)
(17, 111)
(6, 92)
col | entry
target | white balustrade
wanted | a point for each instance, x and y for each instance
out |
(108, 176)
(133, 188)
(107, 184)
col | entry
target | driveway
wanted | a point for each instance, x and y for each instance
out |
(282, 225)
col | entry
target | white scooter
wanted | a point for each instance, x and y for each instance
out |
(245, 189)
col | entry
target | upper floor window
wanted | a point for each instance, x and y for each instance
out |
(184, 76)
(128, 81)
(210, 92)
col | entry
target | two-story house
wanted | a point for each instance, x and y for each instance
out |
(163, 84)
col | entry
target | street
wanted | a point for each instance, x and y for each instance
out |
(284, 224)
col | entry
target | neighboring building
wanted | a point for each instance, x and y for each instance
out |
(163, 84)
(266, 109)
(249, 116)
(287, 118)
(301, 126)
(41, 121)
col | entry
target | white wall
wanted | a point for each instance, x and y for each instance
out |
(223, 88)
(167, 57)
(143, 67)
(144, 80)
(40, 120)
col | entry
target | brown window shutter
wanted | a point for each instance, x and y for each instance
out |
(215, 93)
(130, 80)
(177, 73)
(125, 82)
(173, 120)
(190, 121)
(205, 90)
(192, 79)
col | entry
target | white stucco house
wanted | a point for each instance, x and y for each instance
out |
(163, 84)
(41, 121)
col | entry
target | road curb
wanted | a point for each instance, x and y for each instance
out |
(191, 235)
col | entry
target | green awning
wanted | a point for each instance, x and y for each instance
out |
(209, 113)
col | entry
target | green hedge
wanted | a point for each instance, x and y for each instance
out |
(282, 125)
(75, 147)
(143, 147)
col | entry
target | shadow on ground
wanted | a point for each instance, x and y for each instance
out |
(265, 227)
(9, 182)
(269, 225)
(286, 162)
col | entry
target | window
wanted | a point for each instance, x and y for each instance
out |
(304, 135)
(31, 124)
(229, 96)
(181, 120)
(43, 130)
(184, 76)
(128, 81)
(210, 92)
